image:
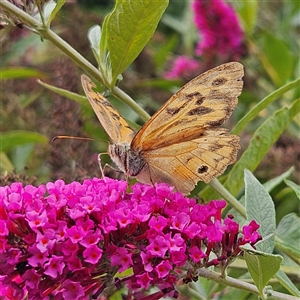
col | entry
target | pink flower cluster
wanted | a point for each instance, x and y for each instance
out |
(68, 241)
(221, 38)
(182, 66)
(219, 28)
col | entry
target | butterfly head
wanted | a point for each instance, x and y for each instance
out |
(118, 153)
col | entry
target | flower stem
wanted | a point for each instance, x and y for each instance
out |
(218, 187)
(229, 281)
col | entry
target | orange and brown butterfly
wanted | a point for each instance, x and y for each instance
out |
(183, 142)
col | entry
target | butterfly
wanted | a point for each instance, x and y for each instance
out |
(182, 143)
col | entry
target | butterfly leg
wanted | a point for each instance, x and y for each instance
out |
(112, 172)
(100, 165)
(108, 170)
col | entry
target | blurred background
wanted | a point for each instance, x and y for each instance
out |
(192, 37)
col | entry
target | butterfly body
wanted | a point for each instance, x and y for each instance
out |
(182, 142)
(127, 160)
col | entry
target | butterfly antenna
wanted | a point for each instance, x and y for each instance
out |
(71, 137)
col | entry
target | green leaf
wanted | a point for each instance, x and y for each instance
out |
(203, 287)
(230, 294)
(82, 100)
(20, 155)
(11, 139)
(5, 164)
(262, 266)
(180, 18)
(277, 59)
(173, 23)
(128, 28)
(263, 104)
(105, 64)
(27, 99)
(295, 187)
(94, 36)
(10, 73)
(46, 13)
(248, 12)
(161, 54)
(287, 283)
(260, 207)
(19, 47)
(263, 139)
(288, 236)
(55, 10)
(269, 185)
(162, 84)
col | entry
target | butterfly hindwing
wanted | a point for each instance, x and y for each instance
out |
(183, 165)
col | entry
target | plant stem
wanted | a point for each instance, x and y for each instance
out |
(229, 281)
(48, 34)
(218, 187)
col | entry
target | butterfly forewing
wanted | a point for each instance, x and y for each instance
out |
(115, 126)
(206, 101)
